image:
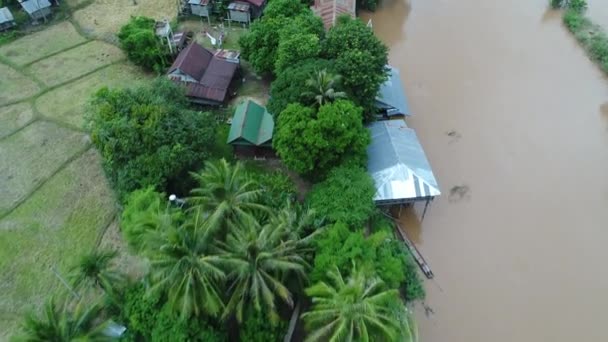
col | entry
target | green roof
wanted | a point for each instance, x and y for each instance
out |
(251, 125)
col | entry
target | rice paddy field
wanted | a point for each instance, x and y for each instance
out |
(56, 203)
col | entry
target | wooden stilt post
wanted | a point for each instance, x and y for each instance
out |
(426, 205)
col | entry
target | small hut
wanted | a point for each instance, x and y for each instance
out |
(239, 12)
(201, 8)
(251, 130)
(37, 9)
(6, 19)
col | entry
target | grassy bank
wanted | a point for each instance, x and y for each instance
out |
(590, 35)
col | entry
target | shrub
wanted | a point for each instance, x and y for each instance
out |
(577, 5)
(256, 327)
(146, 136)
(574, 21)
(379, 254)
(277, 186)
(313, 142)
(142, 46)
(345, 196)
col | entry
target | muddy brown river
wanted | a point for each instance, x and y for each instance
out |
(514, 119)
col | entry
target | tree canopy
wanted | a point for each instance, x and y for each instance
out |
(147, 136)
(360, 57)
(290, 85)
(345, 196)
(314, 141)
(287, 32)
(142, 46)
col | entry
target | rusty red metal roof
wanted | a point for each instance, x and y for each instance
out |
(330, 10)
(258, 3)
(213, 74)
(192, 61)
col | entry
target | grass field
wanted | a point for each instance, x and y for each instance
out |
(67, 104)
(52, 40)
(56, 203)
(76, 62)
(61, 221)
(48, 146)
(14, 86)
(14, 117)
(103, 19)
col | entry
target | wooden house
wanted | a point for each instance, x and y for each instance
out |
(330, 10)
(251, 131)
(37, 9)
(239, 12)
(201, 8)
(6, 19)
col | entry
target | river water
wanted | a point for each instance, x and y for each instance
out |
(514, 119)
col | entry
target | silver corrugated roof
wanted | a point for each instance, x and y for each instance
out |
(391, 95)
(398, 164)
(31, 6)
(5, 15)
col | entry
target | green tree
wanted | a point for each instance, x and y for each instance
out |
(346, 196)
(356, 309)
(322, 87)
(147, 136)
(290, 85)
(312, 142)
(360, 57)
(261, 45)
(296, 47)
(257, 258)
(95, 270)
(185, 269)
(227, 194)
(62, 325)
(142, 46)
(257, 328)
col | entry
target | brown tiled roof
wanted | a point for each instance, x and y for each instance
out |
(193, 61)
(330, 10)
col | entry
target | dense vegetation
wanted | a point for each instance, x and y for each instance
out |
(142, 46)
(148, 136)
(313, 141)
(231, 260)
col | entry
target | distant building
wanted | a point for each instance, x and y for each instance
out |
(239, 12)
(207, 77)
(330, 10)
(391, 99)
(251, 130)
(398, 165)
(201, 8)
(37, 9)
(6, 19)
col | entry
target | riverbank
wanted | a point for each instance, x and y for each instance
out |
(591, 36)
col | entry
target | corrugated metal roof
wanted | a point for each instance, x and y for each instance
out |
(239, 6)
(398, 164)
(391, 96)
(251, 125)
(258, 3)
(5, 15)
(193, 61)
(213, 74)
(199, 2)
(31, 6)
(330, 10)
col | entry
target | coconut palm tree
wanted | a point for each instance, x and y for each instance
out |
(225, 195)
(61, 325)
(95, 270)
(356, 309)
(256, 257)
(186, 270)
(322, 87)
